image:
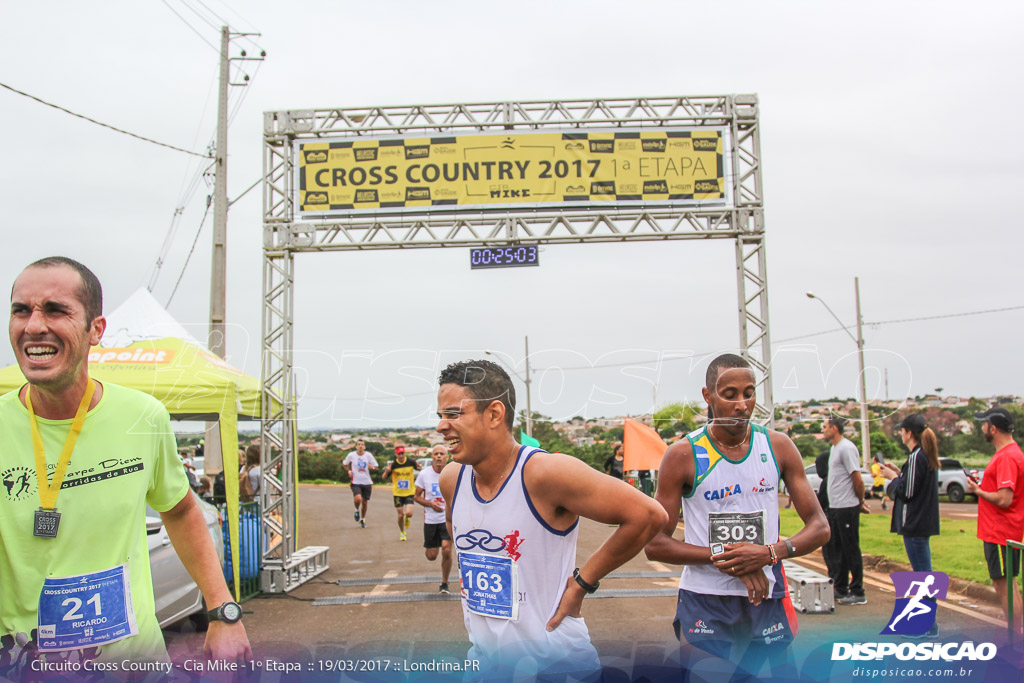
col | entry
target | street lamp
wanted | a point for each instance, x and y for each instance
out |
(865, 431)
(526, 381)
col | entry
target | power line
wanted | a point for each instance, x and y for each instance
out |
(245, 92)
(201, 17)
(788, 339)
(209, 201)
(219, 18)
(371, 398)
(173, 227)
(100, 123)
(948, 315)
(193, 28)
(165, 247)
(807, 336)
(686, 357)
(245, 35)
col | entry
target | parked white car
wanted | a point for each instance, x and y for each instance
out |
(815, 481)
(953, 479)
(177, 595)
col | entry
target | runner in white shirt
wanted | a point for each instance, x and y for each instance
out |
(435, 528)
(359, 463)
(513, 513)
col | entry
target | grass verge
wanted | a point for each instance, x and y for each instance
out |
(955, 551)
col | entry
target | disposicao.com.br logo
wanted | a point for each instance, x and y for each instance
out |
(913, 615)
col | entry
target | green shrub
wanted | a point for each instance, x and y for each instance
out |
(326, 466)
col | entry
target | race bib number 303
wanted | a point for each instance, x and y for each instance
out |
(490, 585)
(86, 610)
(736, 527)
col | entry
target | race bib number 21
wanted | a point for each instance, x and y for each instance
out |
(86, 610)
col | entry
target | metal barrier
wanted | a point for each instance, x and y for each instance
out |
(645, 483)
(249, 550)
(1008, 568)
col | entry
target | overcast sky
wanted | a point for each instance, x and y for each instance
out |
(888, 153)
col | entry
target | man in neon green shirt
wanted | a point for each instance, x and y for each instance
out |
(84, 459)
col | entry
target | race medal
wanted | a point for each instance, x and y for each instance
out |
(45, 523)
(47, 519)
(736, 527)
(87, 610)
(490, 585)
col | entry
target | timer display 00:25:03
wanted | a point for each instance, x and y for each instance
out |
(503, 257)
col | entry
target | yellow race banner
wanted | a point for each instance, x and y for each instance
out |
(672, 166)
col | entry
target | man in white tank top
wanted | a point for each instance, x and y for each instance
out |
(733, 593)
(513, 514)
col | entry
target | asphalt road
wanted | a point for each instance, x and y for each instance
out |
(292, 628)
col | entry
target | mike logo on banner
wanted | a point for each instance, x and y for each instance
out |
(914, 613)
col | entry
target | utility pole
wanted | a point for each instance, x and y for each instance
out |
(217, 340)
(218, 277)
(865, 426)
(526, 381)
(218, 273)
(529, 410)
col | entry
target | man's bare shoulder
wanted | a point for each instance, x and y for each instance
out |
(545, 464)
(778, 438)
(449, 474)
(681, 449)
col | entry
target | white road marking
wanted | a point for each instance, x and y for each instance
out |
(381, 589)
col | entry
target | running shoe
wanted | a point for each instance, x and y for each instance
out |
(401, 535)
(444, 589)
(362, 523)
(408, 522)
(853, 599)
(356, 515)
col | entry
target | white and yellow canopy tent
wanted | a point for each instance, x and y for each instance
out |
(144, 348)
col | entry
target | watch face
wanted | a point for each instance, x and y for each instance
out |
(231, 611)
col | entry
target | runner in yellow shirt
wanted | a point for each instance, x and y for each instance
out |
(403, 478)
(878, 483)
(88, 457)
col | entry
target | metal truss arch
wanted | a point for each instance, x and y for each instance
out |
(285, 234)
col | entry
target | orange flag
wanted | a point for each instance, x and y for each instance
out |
(642, 447)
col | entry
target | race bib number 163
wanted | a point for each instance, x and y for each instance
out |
(490, 585)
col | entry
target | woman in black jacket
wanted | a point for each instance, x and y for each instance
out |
(613, 465)
(915, 490)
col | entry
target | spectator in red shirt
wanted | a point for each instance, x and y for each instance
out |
(1001, 502)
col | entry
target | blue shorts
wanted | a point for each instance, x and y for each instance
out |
(715, 623)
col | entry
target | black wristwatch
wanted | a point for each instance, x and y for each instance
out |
(229, 612)
(583, 584)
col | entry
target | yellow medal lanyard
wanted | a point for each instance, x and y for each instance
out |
(48, 491)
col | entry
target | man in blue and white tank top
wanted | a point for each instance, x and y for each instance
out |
(513, 513)
(732, 592)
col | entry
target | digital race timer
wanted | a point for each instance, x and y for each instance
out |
(503, 257)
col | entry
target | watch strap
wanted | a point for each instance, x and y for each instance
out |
(583, 584)
(217, 613)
